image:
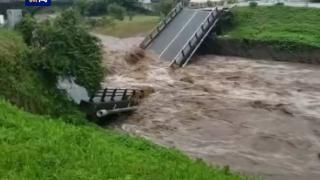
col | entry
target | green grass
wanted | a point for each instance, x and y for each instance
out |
(17, 81)
(126, 28)
(37, 147)
(277, 23)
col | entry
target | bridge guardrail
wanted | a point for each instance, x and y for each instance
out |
(105, 95)
(195, 40)
(111, 101)
(161, 26)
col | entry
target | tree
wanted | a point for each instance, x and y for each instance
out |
(164, 7)
(63, 47)
(131, 14)
(27, 27)
(117, 11)
(82, 6)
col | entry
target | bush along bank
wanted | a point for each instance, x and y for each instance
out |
(64, 47)
(280, 33)
(31, 63)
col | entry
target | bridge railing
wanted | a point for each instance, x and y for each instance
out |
(196, 39)
(111, 101)
(107, 95)
(161, 26)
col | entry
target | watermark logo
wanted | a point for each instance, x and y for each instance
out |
(37, 3)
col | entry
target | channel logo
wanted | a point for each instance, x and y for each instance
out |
(37, 2)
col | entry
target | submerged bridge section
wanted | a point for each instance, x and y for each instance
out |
(178, 37)
(107, 102)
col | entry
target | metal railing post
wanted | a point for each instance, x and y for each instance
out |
(124, 94)
(104, 94)
(206, 26)
(113, 94)
(173, 13)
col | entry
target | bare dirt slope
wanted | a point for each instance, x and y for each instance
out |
(259, 117)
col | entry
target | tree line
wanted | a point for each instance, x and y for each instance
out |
(98, 7)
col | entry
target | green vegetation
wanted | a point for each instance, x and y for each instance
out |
(117, 11)
(288, 26)
(63, 47)
(253, 4)
(29, 70)
(279, 4)
(101, 7)
(128, 28)
(24, 87)
(41, 147)
(164, 6)
(61, 145)
(15, 80)
(36, 147)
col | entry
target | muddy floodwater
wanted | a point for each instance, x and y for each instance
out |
(259, 117)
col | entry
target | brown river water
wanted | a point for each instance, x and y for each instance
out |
(259, 117)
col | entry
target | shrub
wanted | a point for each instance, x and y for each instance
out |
(100, 7)
(253, 4)
(164, 7)
(116, 11)
(22, 86)
(107, 21)
(63, 47)
(82, 6)
(12, 71)
(27, 27)
(131, 14)
(104, 21)
(279, 4)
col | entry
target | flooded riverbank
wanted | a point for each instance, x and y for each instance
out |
(258, 117)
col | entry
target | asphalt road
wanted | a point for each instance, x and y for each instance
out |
(172, 39)
(165, 37)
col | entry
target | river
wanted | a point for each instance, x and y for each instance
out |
(259, 117)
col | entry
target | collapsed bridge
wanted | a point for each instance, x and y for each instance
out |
(181, 33)
(174, 39)
(111, 101)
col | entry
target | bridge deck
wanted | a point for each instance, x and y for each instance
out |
(174, 37)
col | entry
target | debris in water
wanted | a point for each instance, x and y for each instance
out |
(134, 55)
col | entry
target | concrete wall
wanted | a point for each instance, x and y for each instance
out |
(2, 20)
(14, 16)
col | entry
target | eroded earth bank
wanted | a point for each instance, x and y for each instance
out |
(259, 117)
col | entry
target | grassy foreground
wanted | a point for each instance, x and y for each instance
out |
(126, 28)
(277, 23)
(37, 147)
